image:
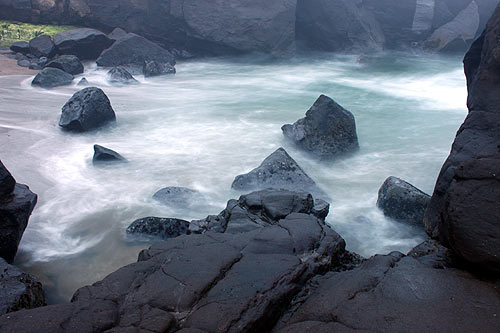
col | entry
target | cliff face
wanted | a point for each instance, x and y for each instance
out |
(464, 212)
(210, 27)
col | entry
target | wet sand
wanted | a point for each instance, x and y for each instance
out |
(9, 66)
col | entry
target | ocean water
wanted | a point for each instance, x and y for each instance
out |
(200, 128)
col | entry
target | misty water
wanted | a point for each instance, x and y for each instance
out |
(213, 120)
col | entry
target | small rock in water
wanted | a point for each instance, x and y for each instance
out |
(83, 82)
(178, 196)
(52, 77)
(158, 227)
(103, 154)
(68, 63)
(155, 68)
(120, 75)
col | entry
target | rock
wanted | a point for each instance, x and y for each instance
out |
(24, 63)
(87, 109)
(18, 290)
(16, 204)
(402, 201)
(278, 170)
(35, 67)
(395, 292)
(154, 68)
(327, 131)
(52, 77)
(85, 43)
(134, 50)
(158, 227)
(42, 46)
(83, 82)
(68, 63)
(178, 196)
(43, 61)
(462, 213)
(117, 34)
(20, 56)
(120, 75)
(20, 47)
(320, 209)
(106, 155)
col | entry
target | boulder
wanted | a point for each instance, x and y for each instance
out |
(24, 63)
(85, 43)
(52, 77)
(278, 170)
(16, 204)
(106, 155)
(42, 46)
(87, 109)
(328, 130)
(20, 47)
(68, 63)
(178, 197)
(117, 34)
(134, 49)
(154, 68)
(402, 201)
(18, 290)
(121, 76)
(157, 227)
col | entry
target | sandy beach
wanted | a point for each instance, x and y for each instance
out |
(9, 66)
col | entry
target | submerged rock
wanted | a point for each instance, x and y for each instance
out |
(52, 77)
(402, 201)
(327, 131)
(278, 170)
(18, 290)
(120, 75)
(42, 46)
(87, 109)
(154, 68)
(178, 197)
(158, 227)
(106, 155)
(68, 63)
(85, 43)
(83, 82)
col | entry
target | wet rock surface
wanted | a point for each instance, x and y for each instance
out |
(85, 43)
(178, 197)
(158, 227)
(68, 63)
(119, 75)
(154, 68)
(106, 155)
(52, 77)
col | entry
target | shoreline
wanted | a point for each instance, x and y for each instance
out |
(9, 66)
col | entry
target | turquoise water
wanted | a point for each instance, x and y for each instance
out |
(213, 120)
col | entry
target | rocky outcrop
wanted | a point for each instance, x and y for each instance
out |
(106, 155)
(119, 75)
(87, 109)
(328, 130)
(463, 213)
(86, 44)
(157, 227)
(52, 77)
(278, 170)
(16, 204)
(178, 197)
(402, 201)
(68, 63)
(154, 68)
(42, 46)
(18, 290)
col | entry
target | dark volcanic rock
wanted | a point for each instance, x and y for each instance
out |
(327, 131)
(154, 68)
(83, 82)
(402, 201)
(87, 109)
(278, 170)
(42, 46)
(7, 182)
(120, 75)
(52, 77)
(68, 63)
(462, 212)
(18, 290)
(178, 196)
(85, 43)
(134, 49)
(20, 47)
(158, 227)
(106, 155)
(117, 34)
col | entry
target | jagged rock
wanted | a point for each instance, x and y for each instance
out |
(16, 204)
(85, 43)
(158, 227)
(120, 75)
(87, 109)
(18, 290)
(462, 212)
(68, 63)
(83, 82)
(154, 68)
(52, 77)
(20, 47)
(106, 155)
(278, 170)
(327, 131)
(178, 196)
(394, 293)
(320, 209)
(42, 46)
(134, 49)
(402, 201)
(117, 34)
